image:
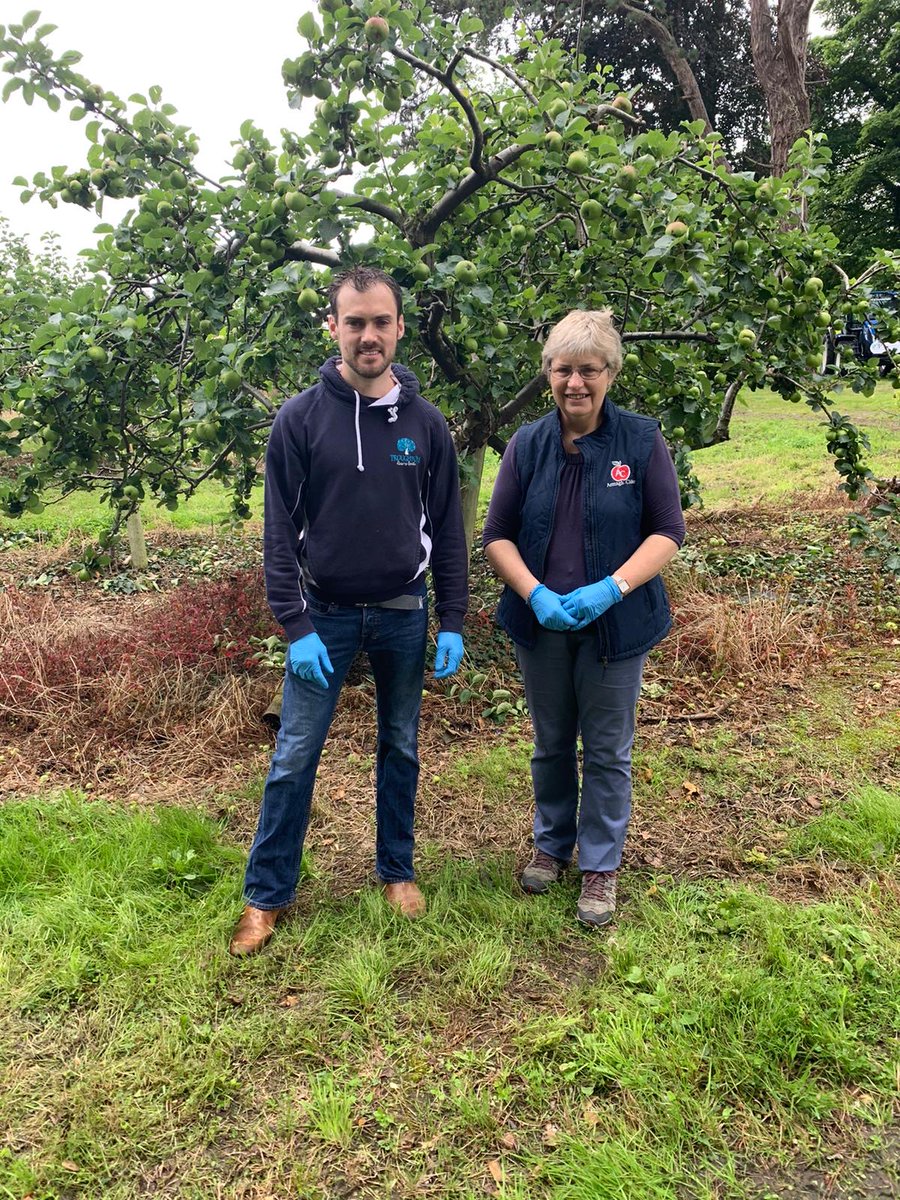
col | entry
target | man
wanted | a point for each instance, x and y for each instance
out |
(362, 495)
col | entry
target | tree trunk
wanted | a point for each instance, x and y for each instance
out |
(778, 44)
(136, 544)
(470, 492)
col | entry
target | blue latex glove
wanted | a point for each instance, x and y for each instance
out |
(308, 658)
(588, 603)
(448, 655)
(547, 607)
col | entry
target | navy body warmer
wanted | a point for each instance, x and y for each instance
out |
(615, 463)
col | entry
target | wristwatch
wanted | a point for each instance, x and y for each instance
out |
(623, 585)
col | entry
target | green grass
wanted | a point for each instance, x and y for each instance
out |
(863, 831)
(85, 513)
(715, 1024)
(778, 449)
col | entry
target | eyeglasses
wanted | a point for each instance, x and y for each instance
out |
(588, 374)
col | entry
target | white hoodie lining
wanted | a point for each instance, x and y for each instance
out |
(386, 401)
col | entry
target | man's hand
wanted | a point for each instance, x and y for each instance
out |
(547, 607)
(588, 603)
(308, 658)
(448, 655)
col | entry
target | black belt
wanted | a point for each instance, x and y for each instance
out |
(409, 603)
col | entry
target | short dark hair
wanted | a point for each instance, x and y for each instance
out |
(363, 278)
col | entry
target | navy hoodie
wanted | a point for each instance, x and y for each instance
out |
(361, 497)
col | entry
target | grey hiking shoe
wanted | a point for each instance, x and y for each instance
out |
(597, 902)
(541, 872)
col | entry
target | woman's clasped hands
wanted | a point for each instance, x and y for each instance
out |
(576, 609)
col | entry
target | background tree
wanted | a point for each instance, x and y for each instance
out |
(682, 59)
(858, 106)
(527, 188)
(778, 40)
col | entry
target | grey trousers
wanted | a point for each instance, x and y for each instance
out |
(568, 690)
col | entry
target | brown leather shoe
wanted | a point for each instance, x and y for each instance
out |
(253, 930)
(405, 898)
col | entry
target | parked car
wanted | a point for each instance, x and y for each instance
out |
(861, 338)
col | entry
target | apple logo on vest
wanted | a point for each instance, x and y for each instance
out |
(620, 472)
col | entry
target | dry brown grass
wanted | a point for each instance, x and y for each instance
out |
(763, 632)
(81, 705)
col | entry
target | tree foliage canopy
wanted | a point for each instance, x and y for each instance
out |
(858, 106)
(526, 188)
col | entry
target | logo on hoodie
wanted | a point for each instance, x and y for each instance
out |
(405, 456)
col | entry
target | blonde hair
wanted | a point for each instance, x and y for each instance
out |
(581, 333)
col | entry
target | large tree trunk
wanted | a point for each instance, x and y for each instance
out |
(778, 42)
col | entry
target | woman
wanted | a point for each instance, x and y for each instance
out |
(584, 515)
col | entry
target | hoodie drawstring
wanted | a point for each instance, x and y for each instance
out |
(359, 459)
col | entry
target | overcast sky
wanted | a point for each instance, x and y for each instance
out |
(217, 63)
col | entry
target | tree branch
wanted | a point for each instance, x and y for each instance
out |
(446, 78)
(304, 252)
(524, 396)
(723, 425)
(450, 201)
(676, 58)
(507, 71)
(375, 207)
(670, 335)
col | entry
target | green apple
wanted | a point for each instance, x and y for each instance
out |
(591, 210)
(308, 299)
(677, 230)
(376, 30)
(746, 338)
(465, 271)
(392, 98)
(578, 162)
(230, 379)
(97, 355)
(421, 271)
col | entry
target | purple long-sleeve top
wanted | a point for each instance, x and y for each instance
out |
(565, 567)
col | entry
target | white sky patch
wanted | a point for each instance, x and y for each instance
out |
(217, 63)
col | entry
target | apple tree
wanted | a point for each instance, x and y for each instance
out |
(500, 191)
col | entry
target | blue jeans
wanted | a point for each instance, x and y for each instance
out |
(394, 641)
(569, 690)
